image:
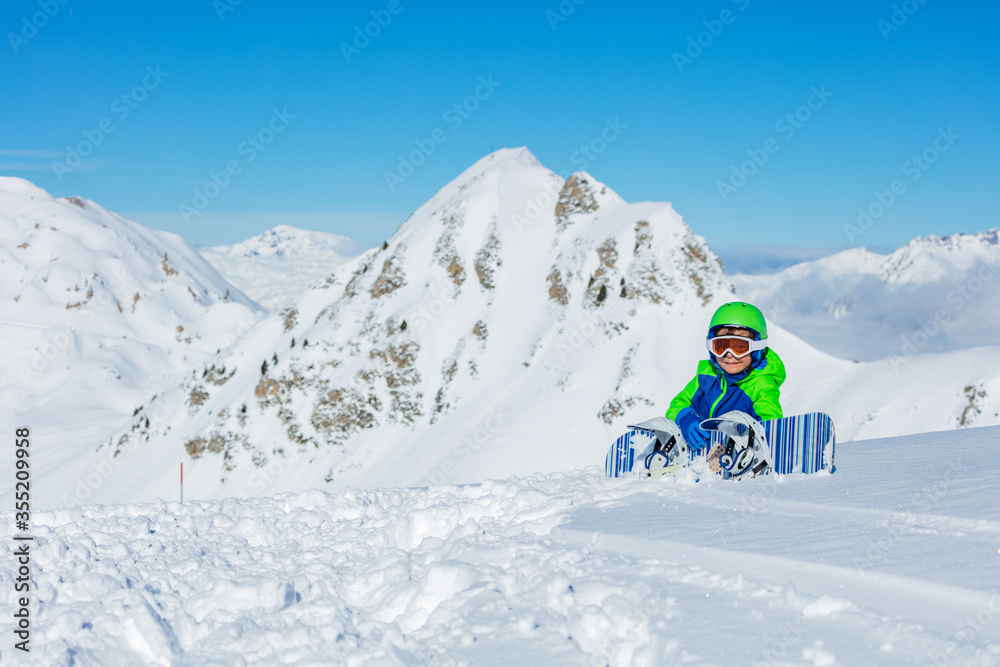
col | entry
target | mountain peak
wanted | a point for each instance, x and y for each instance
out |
(21, 187)
(931, 258)
(515, 163)
(274, 268)
(502, 159)
(516, 153)
(281, 240)
(510, 288)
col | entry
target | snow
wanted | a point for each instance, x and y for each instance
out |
(891, 560)
(275, 267)
(448, 354)
(452, 332)
(935, 294)
(457, 512)
(99, 314)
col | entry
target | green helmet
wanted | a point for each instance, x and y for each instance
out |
(740, 314)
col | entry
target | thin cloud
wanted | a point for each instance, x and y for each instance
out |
(16, 152)
(24, 166)
(85, 167)
(29, 164)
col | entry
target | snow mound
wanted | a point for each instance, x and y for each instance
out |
(892, 560)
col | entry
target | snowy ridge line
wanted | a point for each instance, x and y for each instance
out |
(932, 295)
(935, 606)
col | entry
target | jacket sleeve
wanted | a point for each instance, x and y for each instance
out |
(683, 399)
(766, 401)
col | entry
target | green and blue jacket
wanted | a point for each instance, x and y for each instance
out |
(714, 392)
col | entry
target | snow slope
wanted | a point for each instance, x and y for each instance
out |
(936, 294)
(891, 560)
(507, 297)
(514, 324)
(276, 267)
(99, 314)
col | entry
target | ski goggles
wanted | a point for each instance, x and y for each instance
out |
(738, 345)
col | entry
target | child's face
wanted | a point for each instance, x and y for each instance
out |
(730, 362)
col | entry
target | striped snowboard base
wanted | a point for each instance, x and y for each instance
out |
(799, 444)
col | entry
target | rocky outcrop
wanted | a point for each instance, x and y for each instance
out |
(576, 197)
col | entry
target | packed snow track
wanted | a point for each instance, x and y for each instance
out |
(892, 560)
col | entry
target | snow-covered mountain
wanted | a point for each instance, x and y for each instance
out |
(891, 561)
(97, 313)
(513, 324)
(276, 267)
(512, 300)
(935, 294)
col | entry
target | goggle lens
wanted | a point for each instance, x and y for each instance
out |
(738, 345)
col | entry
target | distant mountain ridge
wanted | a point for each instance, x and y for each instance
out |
(275, 267)
(935, 293)
(93, 285)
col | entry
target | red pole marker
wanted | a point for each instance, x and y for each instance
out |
(182, 482)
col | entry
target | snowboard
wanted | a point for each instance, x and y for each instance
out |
(802, 444)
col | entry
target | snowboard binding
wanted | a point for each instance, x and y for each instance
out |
(669, 453)
(746, 452)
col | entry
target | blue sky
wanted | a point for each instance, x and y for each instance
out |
(182, 86)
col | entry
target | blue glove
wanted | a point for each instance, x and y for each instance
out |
(695, 436)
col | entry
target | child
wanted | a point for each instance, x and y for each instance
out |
(741, 373)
